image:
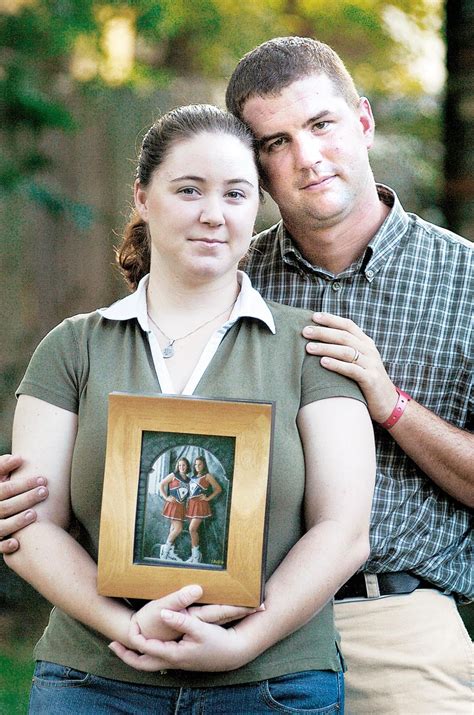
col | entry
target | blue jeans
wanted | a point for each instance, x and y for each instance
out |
(59, 690)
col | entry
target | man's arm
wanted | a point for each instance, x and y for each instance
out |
(445, 453)
(17, 497)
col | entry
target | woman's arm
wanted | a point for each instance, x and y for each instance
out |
(51, 560)
(216, 488)
(339, 451)
(17, 500)
(164, 483)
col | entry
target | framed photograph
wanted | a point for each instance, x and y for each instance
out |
(185, 496)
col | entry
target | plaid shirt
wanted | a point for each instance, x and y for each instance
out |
(411, 292)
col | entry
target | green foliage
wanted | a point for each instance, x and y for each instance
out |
(41, 41)
(35, 45)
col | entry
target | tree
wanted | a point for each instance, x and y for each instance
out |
(459, 118)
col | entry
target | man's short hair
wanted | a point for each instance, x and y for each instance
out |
(277, 63)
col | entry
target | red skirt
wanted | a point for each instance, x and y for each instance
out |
(198, 509)
(174, 510)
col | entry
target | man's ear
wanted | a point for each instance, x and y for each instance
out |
(140, 197)
(367, 122)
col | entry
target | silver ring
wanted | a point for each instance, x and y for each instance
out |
(356, 355)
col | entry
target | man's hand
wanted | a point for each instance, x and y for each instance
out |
(16, 499)
(344, 348)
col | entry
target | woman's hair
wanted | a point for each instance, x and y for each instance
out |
(181, 124)
(203, 460)
(176, 467)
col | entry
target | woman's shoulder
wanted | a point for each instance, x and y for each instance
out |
(78, 323)
(90, 326)
(68, 331)
(85, 321)
(288, 315)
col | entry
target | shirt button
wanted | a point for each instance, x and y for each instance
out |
(336, 286)
(369, 274)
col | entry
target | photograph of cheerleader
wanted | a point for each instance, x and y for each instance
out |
(184, 500)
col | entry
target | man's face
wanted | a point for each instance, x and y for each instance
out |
(313, 151)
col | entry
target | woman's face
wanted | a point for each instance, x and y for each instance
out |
(199, 466)
(182, 467)
(200, 206)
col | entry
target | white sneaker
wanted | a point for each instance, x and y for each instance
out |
(167, 553)
(196, 556)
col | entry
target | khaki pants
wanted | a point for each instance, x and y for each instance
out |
(406, 655)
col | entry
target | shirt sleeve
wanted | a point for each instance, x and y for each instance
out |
(53, 374)
(317, 383)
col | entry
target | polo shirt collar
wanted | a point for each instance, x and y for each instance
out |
(249, 304)
(380, 247)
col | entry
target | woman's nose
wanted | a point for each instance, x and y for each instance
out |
(212, 213)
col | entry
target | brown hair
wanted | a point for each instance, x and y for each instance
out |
(277, 63)
(180, 124)
(202, 459)
(176, 468)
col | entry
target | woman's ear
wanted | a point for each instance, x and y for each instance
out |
(140, 198)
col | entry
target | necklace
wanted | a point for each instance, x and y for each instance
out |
(168, 350)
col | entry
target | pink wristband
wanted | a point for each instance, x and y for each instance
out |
(398, 410)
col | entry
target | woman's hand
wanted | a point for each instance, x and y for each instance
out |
(148, 619)
(220, 614)
(204, 646)
(151, 625)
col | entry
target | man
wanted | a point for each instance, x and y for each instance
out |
(346, 247)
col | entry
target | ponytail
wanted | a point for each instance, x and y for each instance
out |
(133, 254)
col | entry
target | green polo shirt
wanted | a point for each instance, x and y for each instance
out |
(85, 358)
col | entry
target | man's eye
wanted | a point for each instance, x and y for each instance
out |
(319, 126)
(276, 144)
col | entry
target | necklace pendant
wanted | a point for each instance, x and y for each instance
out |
(168, 351)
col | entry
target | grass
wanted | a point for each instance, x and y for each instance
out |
(15, 679)
(20, 628)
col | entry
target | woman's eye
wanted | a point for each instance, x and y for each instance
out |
(235, 194)
(188, 191)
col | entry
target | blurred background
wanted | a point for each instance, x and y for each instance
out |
(80, 81)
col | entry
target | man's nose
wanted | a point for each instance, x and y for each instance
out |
(306, 150)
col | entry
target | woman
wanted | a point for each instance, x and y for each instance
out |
(175, 491)
(198, 504)
(193, 325)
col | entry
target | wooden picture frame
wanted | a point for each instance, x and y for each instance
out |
(146, 436)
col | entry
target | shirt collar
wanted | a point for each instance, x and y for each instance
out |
(389, 235)
(249, 304)
(378, 249)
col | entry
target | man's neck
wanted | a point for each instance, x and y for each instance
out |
(336, 247)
